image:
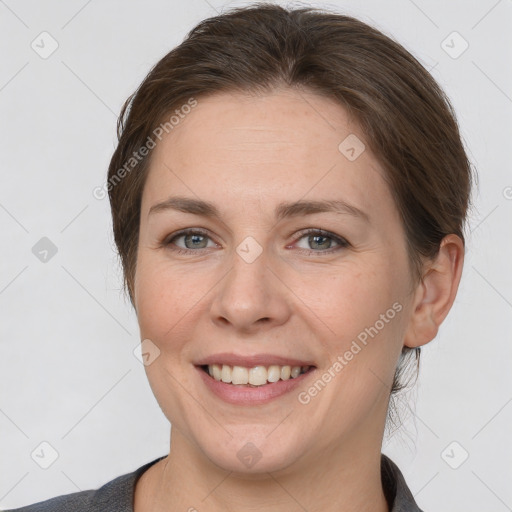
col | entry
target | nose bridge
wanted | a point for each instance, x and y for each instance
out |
(248, 295)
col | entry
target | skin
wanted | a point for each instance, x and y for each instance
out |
(246, 154)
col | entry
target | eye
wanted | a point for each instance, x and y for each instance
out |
(192, 239)
(320, 241)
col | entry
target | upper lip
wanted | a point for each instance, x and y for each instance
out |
(252, 360)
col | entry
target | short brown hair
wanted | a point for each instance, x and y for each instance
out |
(407, 119)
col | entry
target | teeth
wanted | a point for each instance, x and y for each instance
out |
(239, 375)
(295, 371)
(274, 373)
(226, 374)
(255, 376)
(258, 376)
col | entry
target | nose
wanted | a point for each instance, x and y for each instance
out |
(250, 297)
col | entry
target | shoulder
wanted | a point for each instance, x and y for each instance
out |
(397, 492)
(68, 502)
(114, 496)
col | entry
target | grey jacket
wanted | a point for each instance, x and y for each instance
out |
(117, 495)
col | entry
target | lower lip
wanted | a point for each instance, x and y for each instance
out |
(246, 395)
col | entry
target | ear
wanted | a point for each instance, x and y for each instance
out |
(436, 292)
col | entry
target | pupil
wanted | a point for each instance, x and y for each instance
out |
(194, 238)
(316, 237)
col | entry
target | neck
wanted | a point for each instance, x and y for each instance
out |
(347, 479)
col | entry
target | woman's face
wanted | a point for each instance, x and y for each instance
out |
(259, 286)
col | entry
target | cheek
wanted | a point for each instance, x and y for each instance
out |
(364, 312)
(165, 297)
(349, 299)
(172, 302)
(167, 300)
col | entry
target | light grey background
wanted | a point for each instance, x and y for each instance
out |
(69, 374)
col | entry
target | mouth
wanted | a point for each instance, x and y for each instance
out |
(255, 376)
(253, 385)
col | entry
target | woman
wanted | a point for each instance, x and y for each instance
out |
(288, 198)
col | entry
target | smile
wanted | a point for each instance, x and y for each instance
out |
(272, 381)
(254, 376)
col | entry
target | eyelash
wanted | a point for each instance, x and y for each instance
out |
(342, 243)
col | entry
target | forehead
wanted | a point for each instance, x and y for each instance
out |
(257, 148)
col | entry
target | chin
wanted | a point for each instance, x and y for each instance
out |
(254, 455)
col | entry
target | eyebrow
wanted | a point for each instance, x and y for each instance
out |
(282, 211)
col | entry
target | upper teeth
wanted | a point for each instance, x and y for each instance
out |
(257, 376)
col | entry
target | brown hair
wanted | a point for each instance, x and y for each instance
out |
(407, 119)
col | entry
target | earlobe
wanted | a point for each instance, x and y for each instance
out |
(436, 292)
